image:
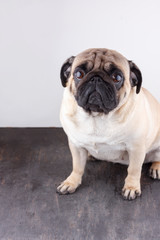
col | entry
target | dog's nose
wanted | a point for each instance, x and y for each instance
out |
(96, 79)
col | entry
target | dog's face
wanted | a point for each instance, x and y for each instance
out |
(100, 79)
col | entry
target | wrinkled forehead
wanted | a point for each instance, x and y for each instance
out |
(101, 58)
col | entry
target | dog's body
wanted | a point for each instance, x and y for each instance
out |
(111, 121)
(107, 137)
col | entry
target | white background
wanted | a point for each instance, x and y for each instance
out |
(36, 37)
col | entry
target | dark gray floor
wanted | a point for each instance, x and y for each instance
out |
(34, 161)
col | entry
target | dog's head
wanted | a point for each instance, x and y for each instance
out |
(100, 79)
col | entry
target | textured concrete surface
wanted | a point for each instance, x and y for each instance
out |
(34, 161)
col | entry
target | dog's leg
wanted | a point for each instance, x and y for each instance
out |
(132, 187)
(79, 158)
(155, 170)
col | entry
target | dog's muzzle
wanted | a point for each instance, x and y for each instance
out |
(97, 95)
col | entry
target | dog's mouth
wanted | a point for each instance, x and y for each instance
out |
(99, 96)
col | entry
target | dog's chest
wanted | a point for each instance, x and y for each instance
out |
(105, 151)
(101, 138)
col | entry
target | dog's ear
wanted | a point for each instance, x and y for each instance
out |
(66, 70)
(135, 76)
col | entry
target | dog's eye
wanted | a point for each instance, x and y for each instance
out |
(116, 77)
(79, 74)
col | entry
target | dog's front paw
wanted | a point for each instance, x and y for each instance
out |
(66, 187)
(70, 184)
(130, 193)
(154, 171)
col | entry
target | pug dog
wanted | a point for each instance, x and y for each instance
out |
(106, 113)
